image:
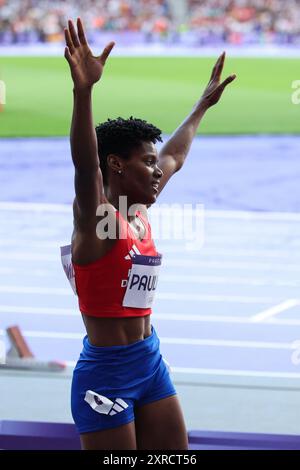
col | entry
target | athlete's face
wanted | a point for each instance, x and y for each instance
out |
(142, 174)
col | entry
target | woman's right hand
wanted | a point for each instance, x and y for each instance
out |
(85, 68)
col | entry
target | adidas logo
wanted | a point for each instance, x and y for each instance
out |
(134, 251)
(104, 405)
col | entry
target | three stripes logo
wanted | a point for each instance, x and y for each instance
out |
(134, 251)
(104, 405)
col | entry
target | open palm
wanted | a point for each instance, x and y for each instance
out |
(86, 69)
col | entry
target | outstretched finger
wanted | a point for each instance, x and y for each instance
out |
(217, 70)
(81, 33)
(106, 52)
(227, 81)
(68, 56)
(214, 69)
(220, 66)
(69, 41)
(73, 33)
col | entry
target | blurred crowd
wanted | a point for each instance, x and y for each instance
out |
(246, 21)
(198, 22)
(44, 20)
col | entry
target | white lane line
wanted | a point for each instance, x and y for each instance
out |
(223, 319)
(189, 297)
(176, 341)
(36, 244)
(156, 316)
(32, 206)
(281, 321)
(251, 215)
(34, 290)
(214, 298)
(235, 373)
(271, 312)
(42, 244)
(228, 280)
(41, 273)
(49, 334)
(224, 372)
(242, 240)
(226, 343)
(39, 310)
(238, 253)
(176, 262)
(214, 214)
(33, 272)
(189, 263)
(29, 256)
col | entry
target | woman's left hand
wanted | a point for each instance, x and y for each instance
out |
(215, 88)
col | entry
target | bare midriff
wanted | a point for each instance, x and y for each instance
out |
(108, 332)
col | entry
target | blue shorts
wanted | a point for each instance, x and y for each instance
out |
(110, 382)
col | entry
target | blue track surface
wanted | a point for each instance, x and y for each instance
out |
(244, 173)
(231, 307)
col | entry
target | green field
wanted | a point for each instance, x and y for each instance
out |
(161, 90)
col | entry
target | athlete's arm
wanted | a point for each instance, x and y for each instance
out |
(86, 70)
(174, 152)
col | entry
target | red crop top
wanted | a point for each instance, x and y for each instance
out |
(118, 283)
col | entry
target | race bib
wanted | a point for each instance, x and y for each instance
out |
(66, 260)
(142, 281)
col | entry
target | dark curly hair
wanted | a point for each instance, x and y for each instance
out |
(120, 136)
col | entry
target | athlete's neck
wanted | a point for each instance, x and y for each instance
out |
(114, 200)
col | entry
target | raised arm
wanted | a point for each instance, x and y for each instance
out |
(86, 70)
(174, 152)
